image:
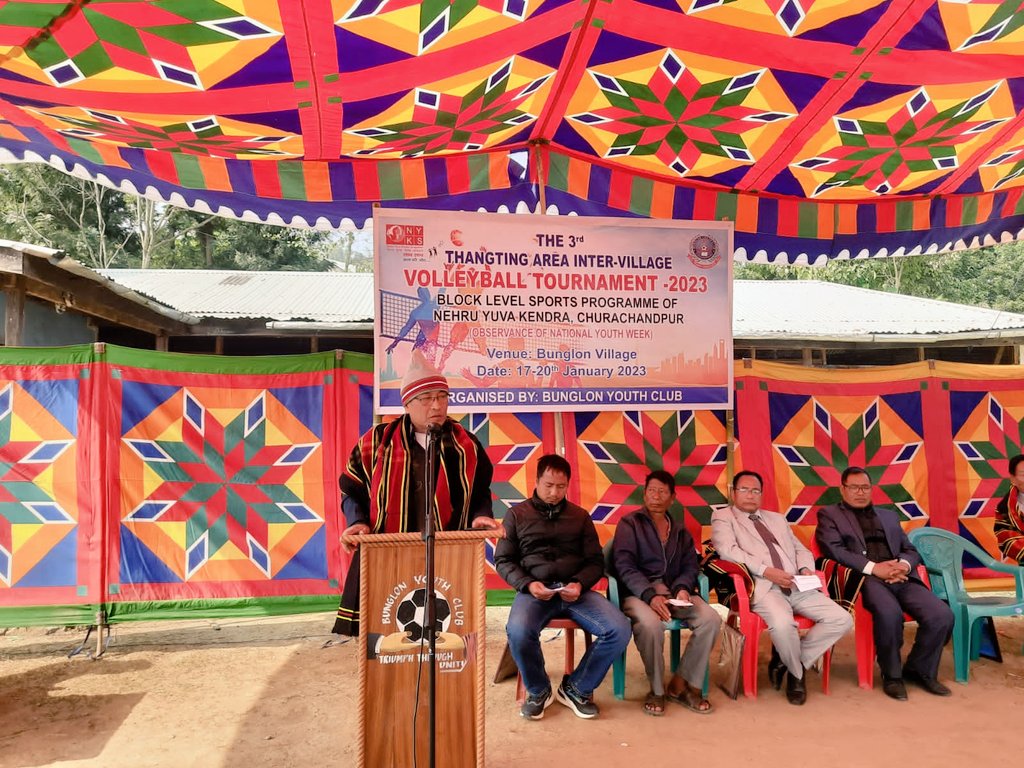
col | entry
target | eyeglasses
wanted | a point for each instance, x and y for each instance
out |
(857, 488)
(751, 491)
(432, 397)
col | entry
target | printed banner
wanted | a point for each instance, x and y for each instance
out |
(547, 313)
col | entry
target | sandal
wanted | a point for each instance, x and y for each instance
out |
(654, 705)
(692, 699)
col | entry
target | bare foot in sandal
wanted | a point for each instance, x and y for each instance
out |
(691, 698)
(654, 705)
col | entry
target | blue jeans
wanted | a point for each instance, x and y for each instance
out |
(592, 612)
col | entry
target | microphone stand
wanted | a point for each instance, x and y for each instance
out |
(429, 604)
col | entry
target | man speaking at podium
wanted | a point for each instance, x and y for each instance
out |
(382, 485)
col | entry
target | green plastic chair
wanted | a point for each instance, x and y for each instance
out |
(673, 626)
(942, 553)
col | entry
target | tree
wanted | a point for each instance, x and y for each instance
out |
(160, 225)
(103, 228)
(85, 220)
(353, 250)
(240, 245)
(986, 277)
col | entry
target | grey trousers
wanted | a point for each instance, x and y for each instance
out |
(649, 636)
(831, 622)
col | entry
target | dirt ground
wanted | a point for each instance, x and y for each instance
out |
(250, 693)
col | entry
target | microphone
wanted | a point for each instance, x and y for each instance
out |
(435, 429)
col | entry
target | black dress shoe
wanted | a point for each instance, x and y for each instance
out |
(796, 691)
(776, 670)
(930, 684)
(894, 688)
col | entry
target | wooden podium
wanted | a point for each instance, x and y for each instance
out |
(393, 662)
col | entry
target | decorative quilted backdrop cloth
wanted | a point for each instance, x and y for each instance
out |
(934, 438)
(148, 485)
(51, 537)
(223, 482)
(823, 128)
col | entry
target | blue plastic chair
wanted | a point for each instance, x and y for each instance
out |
(942, 553)
(672, 626)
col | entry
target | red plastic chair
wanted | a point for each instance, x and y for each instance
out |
(568, 627)
(864, 634)
(751, 626)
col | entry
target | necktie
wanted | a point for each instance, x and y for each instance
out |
(771, 542)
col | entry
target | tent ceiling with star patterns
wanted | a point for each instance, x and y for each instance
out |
(822, 128)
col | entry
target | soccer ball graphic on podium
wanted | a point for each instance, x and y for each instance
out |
(411, 615)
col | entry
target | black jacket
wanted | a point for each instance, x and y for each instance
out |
(560, 548)
(840, 537)
(639, 558)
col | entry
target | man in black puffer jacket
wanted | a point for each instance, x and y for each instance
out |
(552, 557)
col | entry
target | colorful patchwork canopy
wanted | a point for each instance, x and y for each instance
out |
(823, 128)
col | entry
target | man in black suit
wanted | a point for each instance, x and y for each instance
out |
(870, 540)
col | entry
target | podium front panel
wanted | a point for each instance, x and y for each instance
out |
(394, 668)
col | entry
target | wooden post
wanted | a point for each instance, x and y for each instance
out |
(14, 314)
(218, 345)
(314, 343)
(730, 444)
(559, 434)
(161, 342)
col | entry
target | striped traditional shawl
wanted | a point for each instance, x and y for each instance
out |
(1009, 527)
(719, 579)
(379, 473)
(843, 583)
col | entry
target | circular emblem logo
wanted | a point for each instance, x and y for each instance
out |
(704, 252)
(411, 615)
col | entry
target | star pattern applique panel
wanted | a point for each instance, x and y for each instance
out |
(226, 483)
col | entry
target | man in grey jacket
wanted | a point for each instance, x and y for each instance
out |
(656, 563)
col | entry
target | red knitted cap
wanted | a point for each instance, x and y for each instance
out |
(421, 377)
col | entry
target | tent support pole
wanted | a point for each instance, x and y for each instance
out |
(542, 173)
(542, 183)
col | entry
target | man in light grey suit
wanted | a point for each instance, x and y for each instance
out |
(763, 542)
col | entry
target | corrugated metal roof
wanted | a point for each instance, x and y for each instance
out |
(765, 309)
(29, 248)
(57, 258)
(802, 309)
(322, 297)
